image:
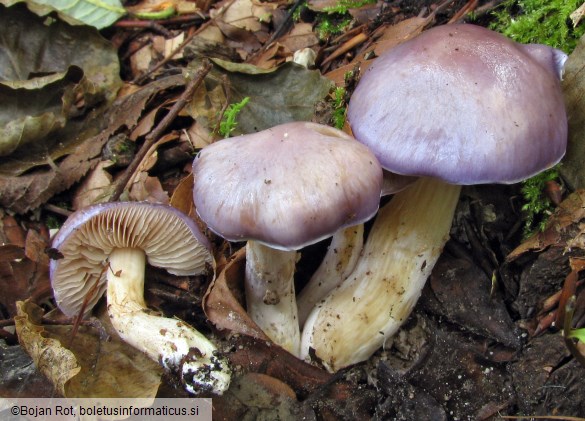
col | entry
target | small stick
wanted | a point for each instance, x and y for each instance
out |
(156, 134)
(145, 24)
(140, 79)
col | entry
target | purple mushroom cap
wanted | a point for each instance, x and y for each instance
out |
(288, 186)
(169, 238)
(463, 104)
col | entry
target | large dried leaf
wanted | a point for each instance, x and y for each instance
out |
(28, 191)
(287, 93)
(98, 14)
(93, 366)
(49, 73)
(572, 168)
(56, 362)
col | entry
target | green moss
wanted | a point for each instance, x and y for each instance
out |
(542, 22)
(539, 21)
(229, 121)
(336, 18)
(339, 105)
(343, 6)
(329, 26)
(537, 206)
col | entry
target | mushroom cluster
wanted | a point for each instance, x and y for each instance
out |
(457, 105)
(105, 248)
(282, 189)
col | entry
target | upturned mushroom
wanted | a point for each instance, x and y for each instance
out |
(282, 189)
(105, 248)
(457, 105)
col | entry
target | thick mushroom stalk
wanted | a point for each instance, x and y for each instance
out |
(369, 307)
(270, 293)
(342, 255)
(177, 346)
(339, 261)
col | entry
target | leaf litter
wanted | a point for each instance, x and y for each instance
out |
(486, 347)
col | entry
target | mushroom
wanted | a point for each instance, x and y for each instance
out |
(342, 254)
(282, 189)
(457, 105)
(105, 248)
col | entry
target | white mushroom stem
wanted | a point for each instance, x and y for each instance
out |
(368, 308)
(177, 346)
(338, 263)
(270, 294)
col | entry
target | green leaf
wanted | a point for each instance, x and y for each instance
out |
(97, 13)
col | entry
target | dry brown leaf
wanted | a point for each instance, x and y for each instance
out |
(301, 36)
(182, 198)
(247, 14)
(259, 356)
(23, 193)
(13, 232)
(93, 366)
(96, 187)
(386, 38)
(24, 272)
(198, 136)
(147, 188)
(56, 362)
(222, 302)
(571, 211)
(243, 41)
(270, 398)
(272, 57)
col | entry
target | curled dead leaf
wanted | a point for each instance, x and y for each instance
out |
(222, 303)
(96, 364)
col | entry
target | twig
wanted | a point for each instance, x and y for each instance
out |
(145, 24)
(469, 7)
(225, 82)
(139, 79)
(58, 210)
(156, 134)
(283, 26)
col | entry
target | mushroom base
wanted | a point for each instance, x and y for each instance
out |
(270, 294)
(175, 345)
(372, 303)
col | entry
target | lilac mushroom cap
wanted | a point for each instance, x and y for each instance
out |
(463, 104)
(288, 186)
(457, 105)
(282, 189)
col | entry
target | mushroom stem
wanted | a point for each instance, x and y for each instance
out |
(403, 246)
(338, 263)
(270, 294)
(173, 343)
